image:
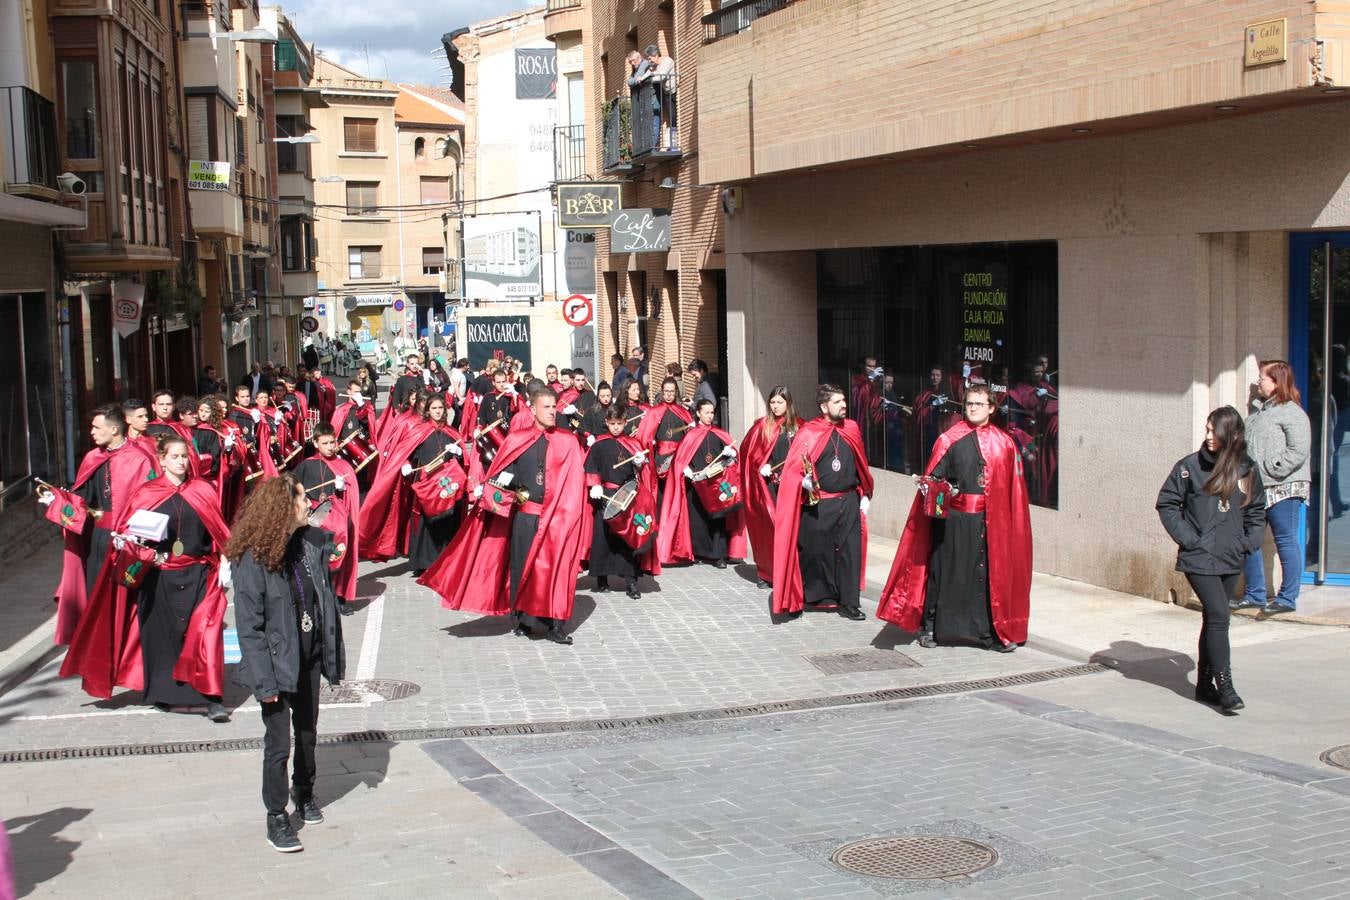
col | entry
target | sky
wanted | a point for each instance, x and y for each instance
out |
(399, 36)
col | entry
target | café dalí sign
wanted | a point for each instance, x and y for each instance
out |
(640, 231)
(587, 205)
(208, 176)
(1266, 43)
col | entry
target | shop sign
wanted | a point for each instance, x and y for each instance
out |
(375, 299)
(208, 176)
(536, 73)
(1266, 43)
(497, 337)
(587, 205)
(128, 299)
(640, 231)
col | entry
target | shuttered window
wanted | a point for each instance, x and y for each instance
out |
(363, 262)
(435, 189)
(433, 260)
(358, 135)
(363, 198)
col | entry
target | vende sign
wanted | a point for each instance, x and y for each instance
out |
(128, 299)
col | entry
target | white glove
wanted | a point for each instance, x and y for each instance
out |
(505, 478)
(453, 450)
(569, 409)
(257, 416)
(339, 483)
(478, 492)
(46, 498)
(596, 492)
(278, 416)
(229, 442)
(407, 469)
(359, 401)
(864, 505)
(807, 483)
(688, 472)
(766, 470)
(938, 400)
(590, 440)
(225, 573)
(729, 451)
(639, 458)
(1041, 392)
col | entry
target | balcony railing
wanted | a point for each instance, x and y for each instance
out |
(555, 5)
(733, 18)
(616, 116)
(654, 131)
(569, 152)
(29, 121)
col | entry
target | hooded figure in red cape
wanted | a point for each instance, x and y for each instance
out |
(106, 478)
(131, 637)
(386, 511)
(967, 578)
(820, 549)
(526, 562)
(327, 476)
(684, 531)
(765, 445)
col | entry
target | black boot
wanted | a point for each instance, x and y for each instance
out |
(1229, 701)
(631, 588)
(1205, 691)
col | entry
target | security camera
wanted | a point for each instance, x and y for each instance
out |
(70, 183)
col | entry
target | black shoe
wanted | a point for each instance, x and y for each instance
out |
(719, 564)
(163, 707)
(308, 810)
(852, 613)
(1003, 648)
(520, 631)
(601, 586)
(1229, 701)
(1205, 692)
(417, 573)
(927, 640)
(281, 835)
(762, 584)
(556, 635)
(631, 589)
(217, 713)
(346, 608)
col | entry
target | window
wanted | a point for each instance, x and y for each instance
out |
(284, 55)
(419, 148)
(80, 109)
(435, 189)
(358, 135)
(937, 320)
(292, 245)
(433, 260)
(363, 198)
(363, 262)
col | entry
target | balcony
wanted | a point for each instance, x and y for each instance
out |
(617, 122)
(733, 18)
(655, 135)
(563, 17)
(569, 153)
(29, 123)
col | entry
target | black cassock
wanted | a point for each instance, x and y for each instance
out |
(431, 536)
(610, 554)
(165, 602)
(776, 460)
(96, 492)
(402, 387)
(707, 537)
(829, 542)
(594, 420)
(527, 473)
(956, 599)
(207, 443)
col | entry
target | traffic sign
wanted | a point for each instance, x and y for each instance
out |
(577, 310)
(309, 324)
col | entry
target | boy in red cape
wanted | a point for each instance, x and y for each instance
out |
(763, 454)
(679, 537)
(527, 563)
(967, 578)
(107, 476)
(820, 550)
(327, 476)
(611, 461)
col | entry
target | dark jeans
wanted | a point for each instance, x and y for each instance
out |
(301, 711)
(1214, 592)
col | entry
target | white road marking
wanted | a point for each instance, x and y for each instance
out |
(370, 641)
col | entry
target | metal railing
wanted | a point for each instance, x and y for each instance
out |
(733, 18)
(654, 131)
(569, 152)
(29, 120)
(616, 117)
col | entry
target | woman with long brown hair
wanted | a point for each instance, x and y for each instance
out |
(1213, 505)
(290, 633)
(634, 406)
(435, 509)
(764, 449)
(1279, 441)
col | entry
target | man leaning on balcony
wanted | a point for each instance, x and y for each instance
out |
(651, 65)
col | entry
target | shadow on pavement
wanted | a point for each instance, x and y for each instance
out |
(891, 636)
(748, 573)
(1156, 665)
(38, 851)
(368, 770)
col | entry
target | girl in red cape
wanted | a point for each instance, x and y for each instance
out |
(984, 463)
(822, 440)
(763, 453)
(386, 511)
(135, 638)
(543, 540)
(614, 458)
(635, 408)
(675, 541)
(435, 458)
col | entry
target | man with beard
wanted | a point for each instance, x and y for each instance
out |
(820, 547)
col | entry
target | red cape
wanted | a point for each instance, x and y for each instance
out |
(106, 649)
(474, 572)
(388, 504)
(673, 543)
(758, 512)
(344, 518)
(363, 413)
(788, 596)
(327, 397)
(646, 478)
(130, 464)
(652, 420)
(1008, 539)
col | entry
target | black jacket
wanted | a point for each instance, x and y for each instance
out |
(1211, 540)
(266, 616)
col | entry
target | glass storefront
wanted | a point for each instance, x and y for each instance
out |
(905, 330)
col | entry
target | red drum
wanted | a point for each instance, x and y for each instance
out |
(498, 500)
(252, 467)
(436, 494)
(720, 494)
(937, 496)
(635, 521)
(357, 451)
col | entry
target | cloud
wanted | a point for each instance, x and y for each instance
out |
(401, 39)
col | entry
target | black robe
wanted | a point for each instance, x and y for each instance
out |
(430, 536)
(165, 602)
(528, 473)
(207, 443)
(777, 458)
(707, 537)
(829, 541)
(96, 492)
(610, 554)
(404, 385)
(593, 422)
(956, 605)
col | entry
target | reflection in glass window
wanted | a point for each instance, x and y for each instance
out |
(80, 107)
(907, 329)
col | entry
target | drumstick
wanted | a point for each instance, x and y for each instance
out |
(777, 467)
(621, 462)
(435, 460)
(488, 427)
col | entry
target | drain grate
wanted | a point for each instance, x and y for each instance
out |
(844, 662)
(916, 856)
(1337, 756)
(885, 695)
(360, 691)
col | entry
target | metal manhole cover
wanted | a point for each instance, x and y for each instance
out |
(1338, 757)
(364, 691)
(919, 856)
(843, 662)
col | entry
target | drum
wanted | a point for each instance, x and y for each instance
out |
(498, 500)
(357, 451)
(252, 466)
(620, 499)
(937, 496)
(719, 494)
(630, 513)
(436, 494)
